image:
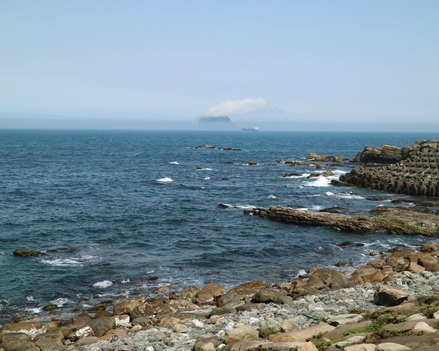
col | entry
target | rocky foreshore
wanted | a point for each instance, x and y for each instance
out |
(389, 304)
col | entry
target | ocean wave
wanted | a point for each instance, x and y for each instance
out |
(206, 178)
(34, 310)
(271, 197)
(61, 301)
(320, 181)
(103, 284)
(173, 163)
(66, 262)
(349, 195)
(304, 175)
(203, 169)
(164, 180)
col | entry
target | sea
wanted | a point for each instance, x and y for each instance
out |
(119, 214)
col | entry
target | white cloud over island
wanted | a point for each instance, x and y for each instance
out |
(239, 107)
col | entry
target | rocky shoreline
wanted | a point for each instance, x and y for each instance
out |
(327, 310)
(390, 304)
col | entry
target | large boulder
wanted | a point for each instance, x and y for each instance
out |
(387, 295)
(323, 278)
(209, 292)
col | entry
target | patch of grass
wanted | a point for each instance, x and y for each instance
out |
(357, 310)
(265, 332)
(379, 321)
(416, 346)
(322, 345)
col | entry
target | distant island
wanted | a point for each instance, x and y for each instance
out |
(216, 123)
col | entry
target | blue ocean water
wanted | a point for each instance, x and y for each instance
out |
(102, 207)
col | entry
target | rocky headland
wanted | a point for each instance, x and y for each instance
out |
(408, 170)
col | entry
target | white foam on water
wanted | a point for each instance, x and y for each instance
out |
(206, 178)
(103, 284)
(66, 262)
(60, 301)
(350, 196)
(173, 163)
(204, 169)
(34, 310)
(316, 208)
(304, 175)
(320, 181)
(125, 281)
(164, 180)
(30, 298)
(302, 209)
(245, 207)
(300, 274)
(271, 197)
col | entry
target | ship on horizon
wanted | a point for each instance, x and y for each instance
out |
(253, 128)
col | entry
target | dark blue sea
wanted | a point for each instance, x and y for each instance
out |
(114, 209)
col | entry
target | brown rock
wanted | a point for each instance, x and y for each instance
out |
(415, 268)
(88, 340)
(304, 334)
(189, 292)
(127, 306)
(50, 341)
(309, 346)
(18, 342)
(387, 295)
(429, 247)
(289, 325)
(143, 309)
(102, 325)
(249, 288)
(243, 332)
(208, 292)
(268, 295)
(327, 278)
(429, 263)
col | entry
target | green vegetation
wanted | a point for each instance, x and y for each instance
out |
(416, 346)
(265, 332)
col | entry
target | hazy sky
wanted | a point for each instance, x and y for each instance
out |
(306, 63)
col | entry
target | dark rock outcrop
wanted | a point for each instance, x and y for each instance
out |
(27, 253)
(393, 220)
(417, 174)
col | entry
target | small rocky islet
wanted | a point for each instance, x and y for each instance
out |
(392, 303)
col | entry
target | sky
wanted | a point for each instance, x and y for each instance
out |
(284, 64)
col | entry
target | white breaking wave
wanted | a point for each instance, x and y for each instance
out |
(34, 310)
(271, 197)
(304, 175)
(206, 178)
(204, 169)
(125, 281)
(67, 262)
(320, 181)
(103, 284)
(346, 196)
(173, 163)
(60, 301)
(164, 180)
